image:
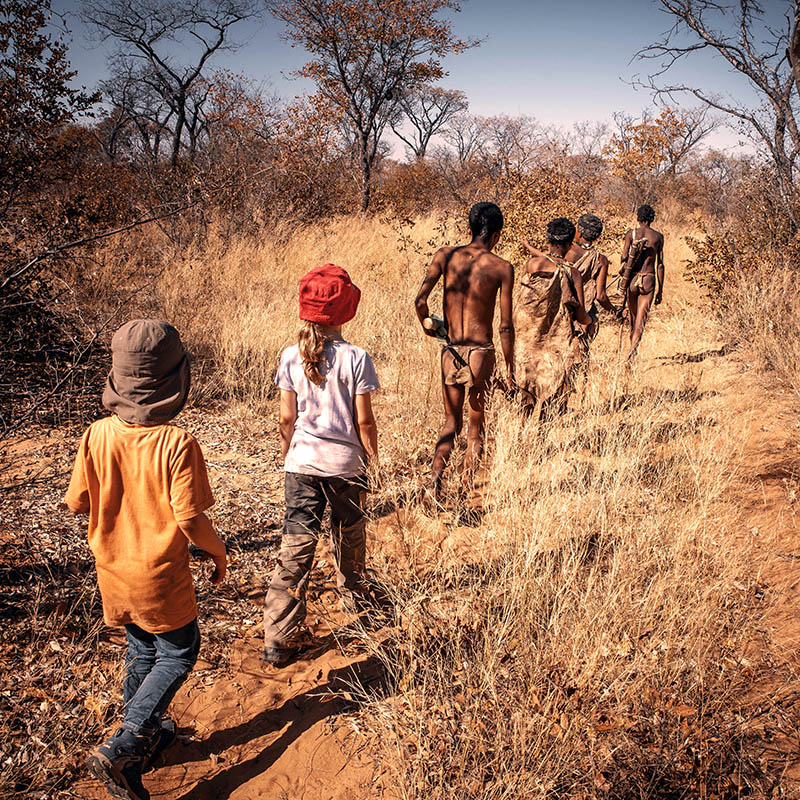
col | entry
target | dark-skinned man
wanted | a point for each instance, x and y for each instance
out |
(592, 264)
(472, 277)
(548, 353)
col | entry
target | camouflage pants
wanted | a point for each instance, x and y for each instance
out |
(306, 499)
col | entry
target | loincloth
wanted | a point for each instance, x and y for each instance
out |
(456, 370)
(644, 283)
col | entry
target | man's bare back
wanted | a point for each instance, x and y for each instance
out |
(472, 276)
(651, 252)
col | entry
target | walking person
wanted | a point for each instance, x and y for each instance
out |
(642, 281)
(143, 483)
(548, 352)
(328, 437)
(591, 264)
(473, 278)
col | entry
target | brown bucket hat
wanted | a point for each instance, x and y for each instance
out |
(149, 379)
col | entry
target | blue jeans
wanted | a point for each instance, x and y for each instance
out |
(156, 665)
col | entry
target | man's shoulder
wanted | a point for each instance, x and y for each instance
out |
(445, 252)
(535, 263)
(575, 253)
(493, 261)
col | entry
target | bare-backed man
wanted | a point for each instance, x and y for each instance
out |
(643, 273)
(472, 276)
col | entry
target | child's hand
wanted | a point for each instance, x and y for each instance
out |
(220, 567)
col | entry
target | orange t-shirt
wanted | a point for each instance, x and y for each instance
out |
(136, 482)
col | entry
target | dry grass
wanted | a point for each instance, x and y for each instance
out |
(602, 636)
(238, 303)
(761, 317)
(595, 645)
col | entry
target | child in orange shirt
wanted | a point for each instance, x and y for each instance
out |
(143, 483)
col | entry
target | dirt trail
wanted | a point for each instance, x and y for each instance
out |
(254, 732)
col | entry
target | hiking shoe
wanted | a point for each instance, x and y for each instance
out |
(118, 764)
(280, 656)
(165, 737)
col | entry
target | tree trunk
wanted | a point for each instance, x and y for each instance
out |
(784, 171)
(793, 51)
(366, 173)
(179, 125)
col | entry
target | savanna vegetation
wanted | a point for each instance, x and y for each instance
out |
(600, 631)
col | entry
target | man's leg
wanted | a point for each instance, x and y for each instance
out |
(285, 604)
(642, 303)
(348, 535)
(453, 397)
(631, 300)
(176, 654)
(482, 364)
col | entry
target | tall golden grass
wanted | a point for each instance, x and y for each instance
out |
(594, 633)
(762, 318)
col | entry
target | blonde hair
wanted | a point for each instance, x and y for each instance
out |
(311, 342)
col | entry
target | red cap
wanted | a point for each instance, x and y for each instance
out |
(328, 296)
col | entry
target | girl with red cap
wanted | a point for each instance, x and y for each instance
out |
(328, 432)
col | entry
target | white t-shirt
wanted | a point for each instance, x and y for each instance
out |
(325, 440)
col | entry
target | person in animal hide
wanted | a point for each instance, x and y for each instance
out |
(547, 351)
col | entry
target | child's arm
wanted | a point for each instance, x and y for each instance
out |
(200, 532)
(366, 426)
(77, 496)
(287, 418)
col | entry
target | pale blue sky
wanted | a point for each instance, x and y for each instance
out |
(560, 62)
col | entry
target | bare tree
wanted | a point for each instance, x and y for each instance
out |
(365, 54)
(587, 139)
(512, 145)
(146, 31)
(464, 133)
(427, 110)
(138, 106)
(765, 56)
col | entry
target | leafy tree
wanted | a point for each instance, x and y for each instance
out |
(366, 55)
(36, 98)
(647, 150)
